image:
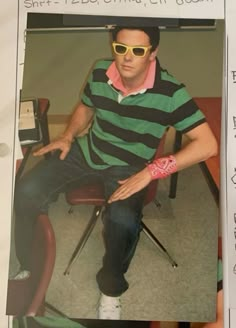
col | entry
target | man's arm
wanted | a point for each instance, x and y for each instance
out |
(80, 120)
(202, 145)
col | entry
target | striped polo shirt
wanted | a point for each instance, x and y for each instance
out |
(128, 131)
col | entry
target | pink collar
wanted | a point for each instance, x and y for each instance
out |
(115, 80)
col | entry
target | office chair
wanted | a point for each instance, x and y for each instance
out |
(93, 194)
(26, 297)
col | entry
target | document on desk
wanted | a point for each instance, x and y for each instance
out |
(29, 127)
(27, 120)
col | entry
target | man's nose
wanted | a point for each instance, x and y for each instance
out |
(129, 55)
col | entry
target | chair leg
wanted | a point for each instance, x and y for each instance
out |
(157, 203)
(84, 238)
(70, 211)
(156, 242)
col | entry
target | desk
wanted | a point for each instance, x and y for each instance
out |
(43, 121)
(211, 107)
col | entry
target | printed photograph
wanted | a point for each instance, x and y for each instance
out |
(116, 206)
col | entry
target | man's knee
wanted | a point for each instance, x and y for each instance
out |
(28, 194)
(123, 216)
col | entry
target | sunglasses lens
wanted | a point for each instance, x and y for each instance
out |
(119, 49)
(138, 51)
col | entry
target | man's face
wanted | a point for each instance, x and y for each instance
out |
(131, 67)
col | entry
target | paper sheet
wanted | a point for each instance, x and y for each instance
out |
(27, 117)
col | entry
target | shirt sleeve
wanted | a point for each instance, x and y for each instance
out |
(86, 95)
(185, 114)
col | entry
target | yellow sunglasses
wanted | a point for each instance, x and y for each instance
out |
(137, 51)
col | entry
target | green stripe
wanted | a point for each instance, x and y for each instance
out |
(149, 100)
(180, 97)
(106, 158)
(103, 64)
(132, 124)
(134, 148)
(146, 100)
(197, 116)
(102, 89)
(87, 101)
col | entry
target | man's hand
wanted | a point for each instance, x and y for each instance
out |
(62, 143)
(130, 186)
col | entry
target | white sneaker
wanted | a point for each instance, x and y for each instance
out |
(21, 275)
(109, 308)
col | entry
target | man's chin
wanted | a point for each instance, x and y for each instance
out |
(127, 74)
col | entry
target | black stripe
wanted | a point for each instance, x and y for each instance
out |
(87, 91)
(117, 152)
(134, 112)
(128, 135)
(94, 157)
(184, 111)
(219, 285)
(99, 75)
(165, 88)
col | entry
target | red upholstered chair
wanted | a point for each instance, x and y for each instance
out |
(26, 297)
(93, 195)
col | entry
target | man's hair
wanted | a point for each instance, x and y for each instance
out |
(152, 32)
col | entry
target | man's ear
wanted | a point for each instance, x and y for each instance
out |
(154, 54)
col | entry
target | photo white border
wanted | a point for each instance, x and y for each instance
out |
(13, 23)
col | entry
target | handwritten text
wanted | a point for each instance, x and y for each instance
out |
(182, 2)
(49, 3)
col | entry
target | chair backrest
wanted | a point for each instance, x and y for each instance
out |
(26, 296)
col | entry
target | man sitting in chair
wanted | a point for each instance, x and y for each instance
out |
(131, 101)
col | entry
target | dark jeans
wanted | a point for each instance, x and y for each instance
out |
(42, 185)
